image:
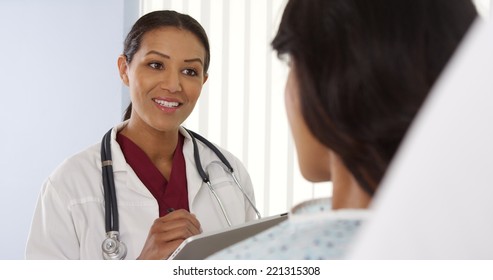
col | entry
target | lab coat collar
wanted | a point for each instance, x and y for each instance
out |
(119, 162)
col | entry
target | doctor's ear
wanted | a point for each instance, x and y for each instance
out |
(123, 68)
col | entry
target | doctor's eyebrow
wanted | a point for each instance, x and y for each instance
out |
(168, 57)
(194, 59)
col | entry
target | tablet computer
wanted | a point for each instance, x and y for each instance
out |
(201, 246)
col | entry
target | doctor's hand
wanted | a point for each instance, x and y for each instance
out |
(167, 233)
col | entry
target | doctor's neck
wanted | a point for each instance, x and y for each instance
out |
(158, 145)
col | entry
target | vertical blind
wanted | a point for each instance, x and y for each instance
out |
(241, 107)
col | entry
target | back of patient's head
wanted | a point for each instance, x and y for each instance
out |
(365, 67)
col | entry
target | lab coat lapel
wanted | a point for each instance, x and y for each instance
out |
(194, 180)
(122, 172)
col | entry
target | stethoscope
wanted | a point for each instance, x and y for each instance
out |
(113, 248)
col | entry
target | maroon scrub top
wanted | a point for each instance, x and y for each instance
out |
(169, 194)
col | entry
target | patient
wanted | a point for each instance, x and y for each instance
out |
(359, 71)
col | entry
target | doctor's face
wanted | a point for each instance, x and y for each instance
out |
(165, 77)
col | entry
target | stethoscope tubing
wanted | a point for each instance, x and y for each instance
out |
(110, 201)
(196, 155)
(245, 195)
(202, 173)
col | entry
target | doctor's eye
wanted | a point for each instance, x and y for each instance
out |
(190, 72)
(156, 65)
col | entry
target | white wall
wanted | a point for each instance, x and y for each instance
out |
(59, 93)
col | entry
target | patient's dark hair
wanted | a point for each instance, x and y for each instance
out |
(365, 67)
(158, 19)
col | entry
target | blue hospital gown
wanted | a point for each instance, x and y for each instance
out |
(313, 231)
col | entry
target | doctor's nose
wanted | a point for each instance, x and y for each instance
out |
(170, 80)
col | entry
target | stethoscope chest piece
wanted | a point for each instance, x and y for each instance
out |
(113, 249)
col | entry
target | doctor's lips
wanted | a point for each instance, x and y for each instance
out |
(167, 103)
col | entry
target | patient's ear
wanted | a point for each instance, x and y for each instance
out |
(123, 68)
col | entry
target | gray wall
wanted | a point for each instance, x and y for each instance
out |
(60, 92)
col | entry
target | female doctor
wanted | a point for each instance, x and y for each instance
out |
(161, 194)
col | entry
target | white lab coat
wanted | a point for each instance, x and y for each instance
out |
(69, 223)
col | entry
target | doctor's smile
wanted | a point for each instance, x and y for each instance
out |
(167, 105)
